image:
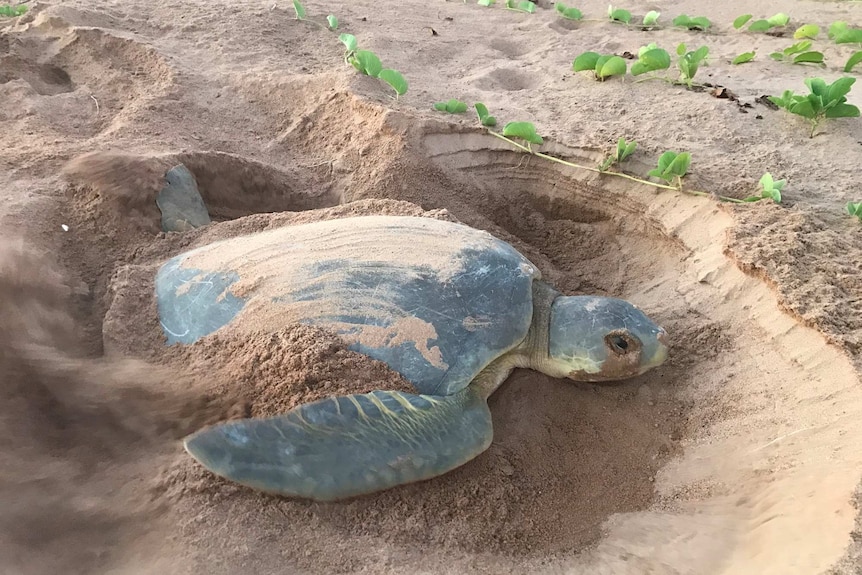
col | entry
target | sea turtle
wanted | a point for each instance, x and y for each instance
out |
(451, 308)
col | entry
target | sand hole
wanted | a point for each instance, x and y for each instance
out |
(508, 80)
(579, 476)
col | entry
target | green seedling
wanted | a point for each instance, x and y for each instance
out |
(741, 20)
(798, 54)
(486, 3)
(743, 58)
(809, 31)
(769, 188)
(9, 11)
(566, 12)
(485, 118)
(619, 15)
(689, 62)
(672, 167)
(697, 23)
(332, 21)
(523, 130)
(623, 151)
(854, 59)
(366, 62)
(651, 59)
(452, 106)
(299, 9)
(395, 80)
(840, 33)
(350, 43)
(778, 21)
(855, 209)
(522, 6)
(603, 67)
(824, 101)
(651, 18)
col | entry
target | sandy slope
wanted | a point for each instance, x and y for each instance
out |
(741, 455)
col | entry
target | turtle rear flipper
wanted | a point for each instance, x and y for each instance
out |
(349, 445)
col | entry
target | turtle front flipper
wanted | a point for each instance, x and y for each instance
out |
(349, 445)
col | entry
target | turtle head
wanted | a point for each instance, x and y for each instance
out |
(602, 339)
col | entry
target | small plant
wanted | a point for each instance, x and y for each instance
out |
(395, 80)
(777, 21)
(824, 101)
(840, 33)
(651, 18)
(299, 9)
(697, 23)
(672, 167)
(651, 58)
(799, 54)
(855, 209)
(566, 12)
(743, 58)
(9, 11)
(523, 130)
(623, 151)
(690, 62)
(452, 106)
(486, 3)
(619, 15)
(602, 66)
(809, 31)
(485, 118)
(854, 59)
(332, 21)
(366, 62)
(769, 188)
(522, 6)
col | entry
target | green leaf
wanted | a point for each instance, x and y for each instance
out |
(367, 62)
(484, 117)
(700, 54)
(586, 61)
(9, 11)
(526, 6)
(777, 56)
(524, 130)
(620, 15)
(698, 23)
(394, 79)
(807, 31)
(349, 41)
(613, 66)
(804, 108)
(741, 20)
(839, 88)
(843, 111)
(760, 26)
(853, 36)
(854, 59)
(664, 163)
(679, 165)
(625, 149)
(854, 209)
(766, 181)
(651, 18)
(485, 2)
(836, 28)
(452, 106)
(809, 58)
(680, 50)
(650, 61)
(743, 58)
(570, 13)
(778, 20)
(817, 86)
(332, 21)
(798, 47)
(299, 9)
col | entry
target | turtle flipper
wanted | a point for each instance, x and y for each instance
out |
(348, 445)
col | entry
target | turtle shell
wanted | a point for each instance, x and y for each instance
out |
(437, 301)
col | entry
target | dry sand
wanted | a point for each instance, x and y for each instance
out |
(741, 455)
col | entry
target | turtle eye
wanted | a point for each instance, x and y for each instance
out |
(618, 343)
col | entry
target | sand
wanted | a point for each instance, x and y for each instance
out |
(742, 454)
